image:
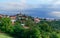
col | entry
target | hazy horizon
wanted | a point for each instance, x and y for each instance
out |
(39, 8)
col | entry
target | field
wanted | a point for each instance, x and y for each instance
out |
(58, 35)
(4, 36)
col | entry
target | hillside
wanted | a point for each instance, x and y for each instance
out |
(29, 28)
(4, 36)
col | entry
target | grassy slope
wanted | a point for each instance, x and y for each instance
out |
(58, 35)
(4, 36)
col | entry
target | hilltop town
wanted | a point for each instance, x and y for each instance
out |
(25, 26)
(23, 17)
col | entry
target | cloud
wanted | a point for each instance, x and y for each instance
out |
(55, 4)
(55, 14)
(24, 4)
(13, 5)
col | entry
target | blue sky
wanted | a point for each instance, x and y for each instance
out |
(39, 8)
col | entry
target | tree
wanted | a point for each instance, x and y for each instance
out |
(45, 27)
(35, 33)
(6, 25)
(53, 36)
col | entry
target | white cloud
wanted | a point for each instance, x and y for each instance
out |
(13, 5)
(55, 14)
(55, 4)
(22, 4)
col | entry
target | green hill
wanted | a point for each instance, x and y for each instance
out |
(29, 29)
(4, 36)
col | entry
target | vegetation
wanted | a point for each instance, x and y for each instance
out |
(4, 36)
(44, 29)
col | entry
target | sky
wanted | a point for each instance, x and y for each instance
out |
(36, 8)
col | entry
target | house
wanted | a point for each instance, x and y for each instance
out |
(36, 20)
(1, 15)
(13, 19)
(19, 16)
(4, 16)
(22, 17)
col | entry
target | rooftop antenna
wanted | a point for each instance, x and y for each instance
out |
(20, 11)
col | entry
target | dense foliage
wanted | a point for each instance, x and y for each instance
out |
(44, 29)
